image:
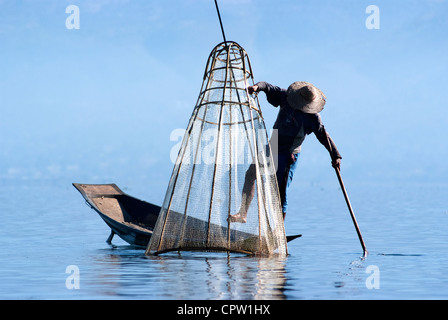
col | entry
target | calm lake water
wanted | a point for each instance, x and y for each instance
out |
(47, 228)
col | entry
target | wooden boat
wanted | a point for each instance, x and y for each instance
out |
(132, 219)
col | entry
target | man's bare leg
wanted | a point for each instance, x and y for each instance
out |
(246, 197)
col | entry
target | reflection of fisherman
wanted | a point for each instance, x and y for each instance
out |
(298, 116)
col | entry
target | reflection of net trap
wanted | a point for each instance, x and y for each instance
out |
(223, 193)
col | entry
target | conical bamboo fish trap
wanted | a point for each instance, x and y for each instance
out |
(224, 164)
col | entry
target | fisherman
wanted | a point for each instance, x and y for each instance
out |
(298, 116)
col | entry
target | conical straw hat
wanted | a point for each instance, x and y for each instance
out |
(305, 97)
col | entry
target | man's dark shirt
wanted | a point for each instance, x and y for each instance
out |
(293, 125)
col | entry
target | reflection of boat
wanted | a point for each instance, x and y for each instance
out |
(130, 218)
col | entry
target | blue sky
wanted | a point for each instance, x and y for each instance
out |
(98, 104)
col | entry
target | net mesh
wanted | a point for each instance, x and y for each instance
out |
(223, 192)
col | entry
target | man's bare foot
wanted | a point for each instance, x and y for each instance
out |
(237, 218)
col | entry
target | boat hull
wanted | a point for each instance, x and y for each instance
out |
(132, 219)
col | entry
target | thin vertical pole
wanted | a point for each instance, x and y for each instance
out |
(220, 22)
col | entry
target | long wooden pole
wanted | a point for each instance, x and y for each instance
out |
(338, 173)
(347, 200)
